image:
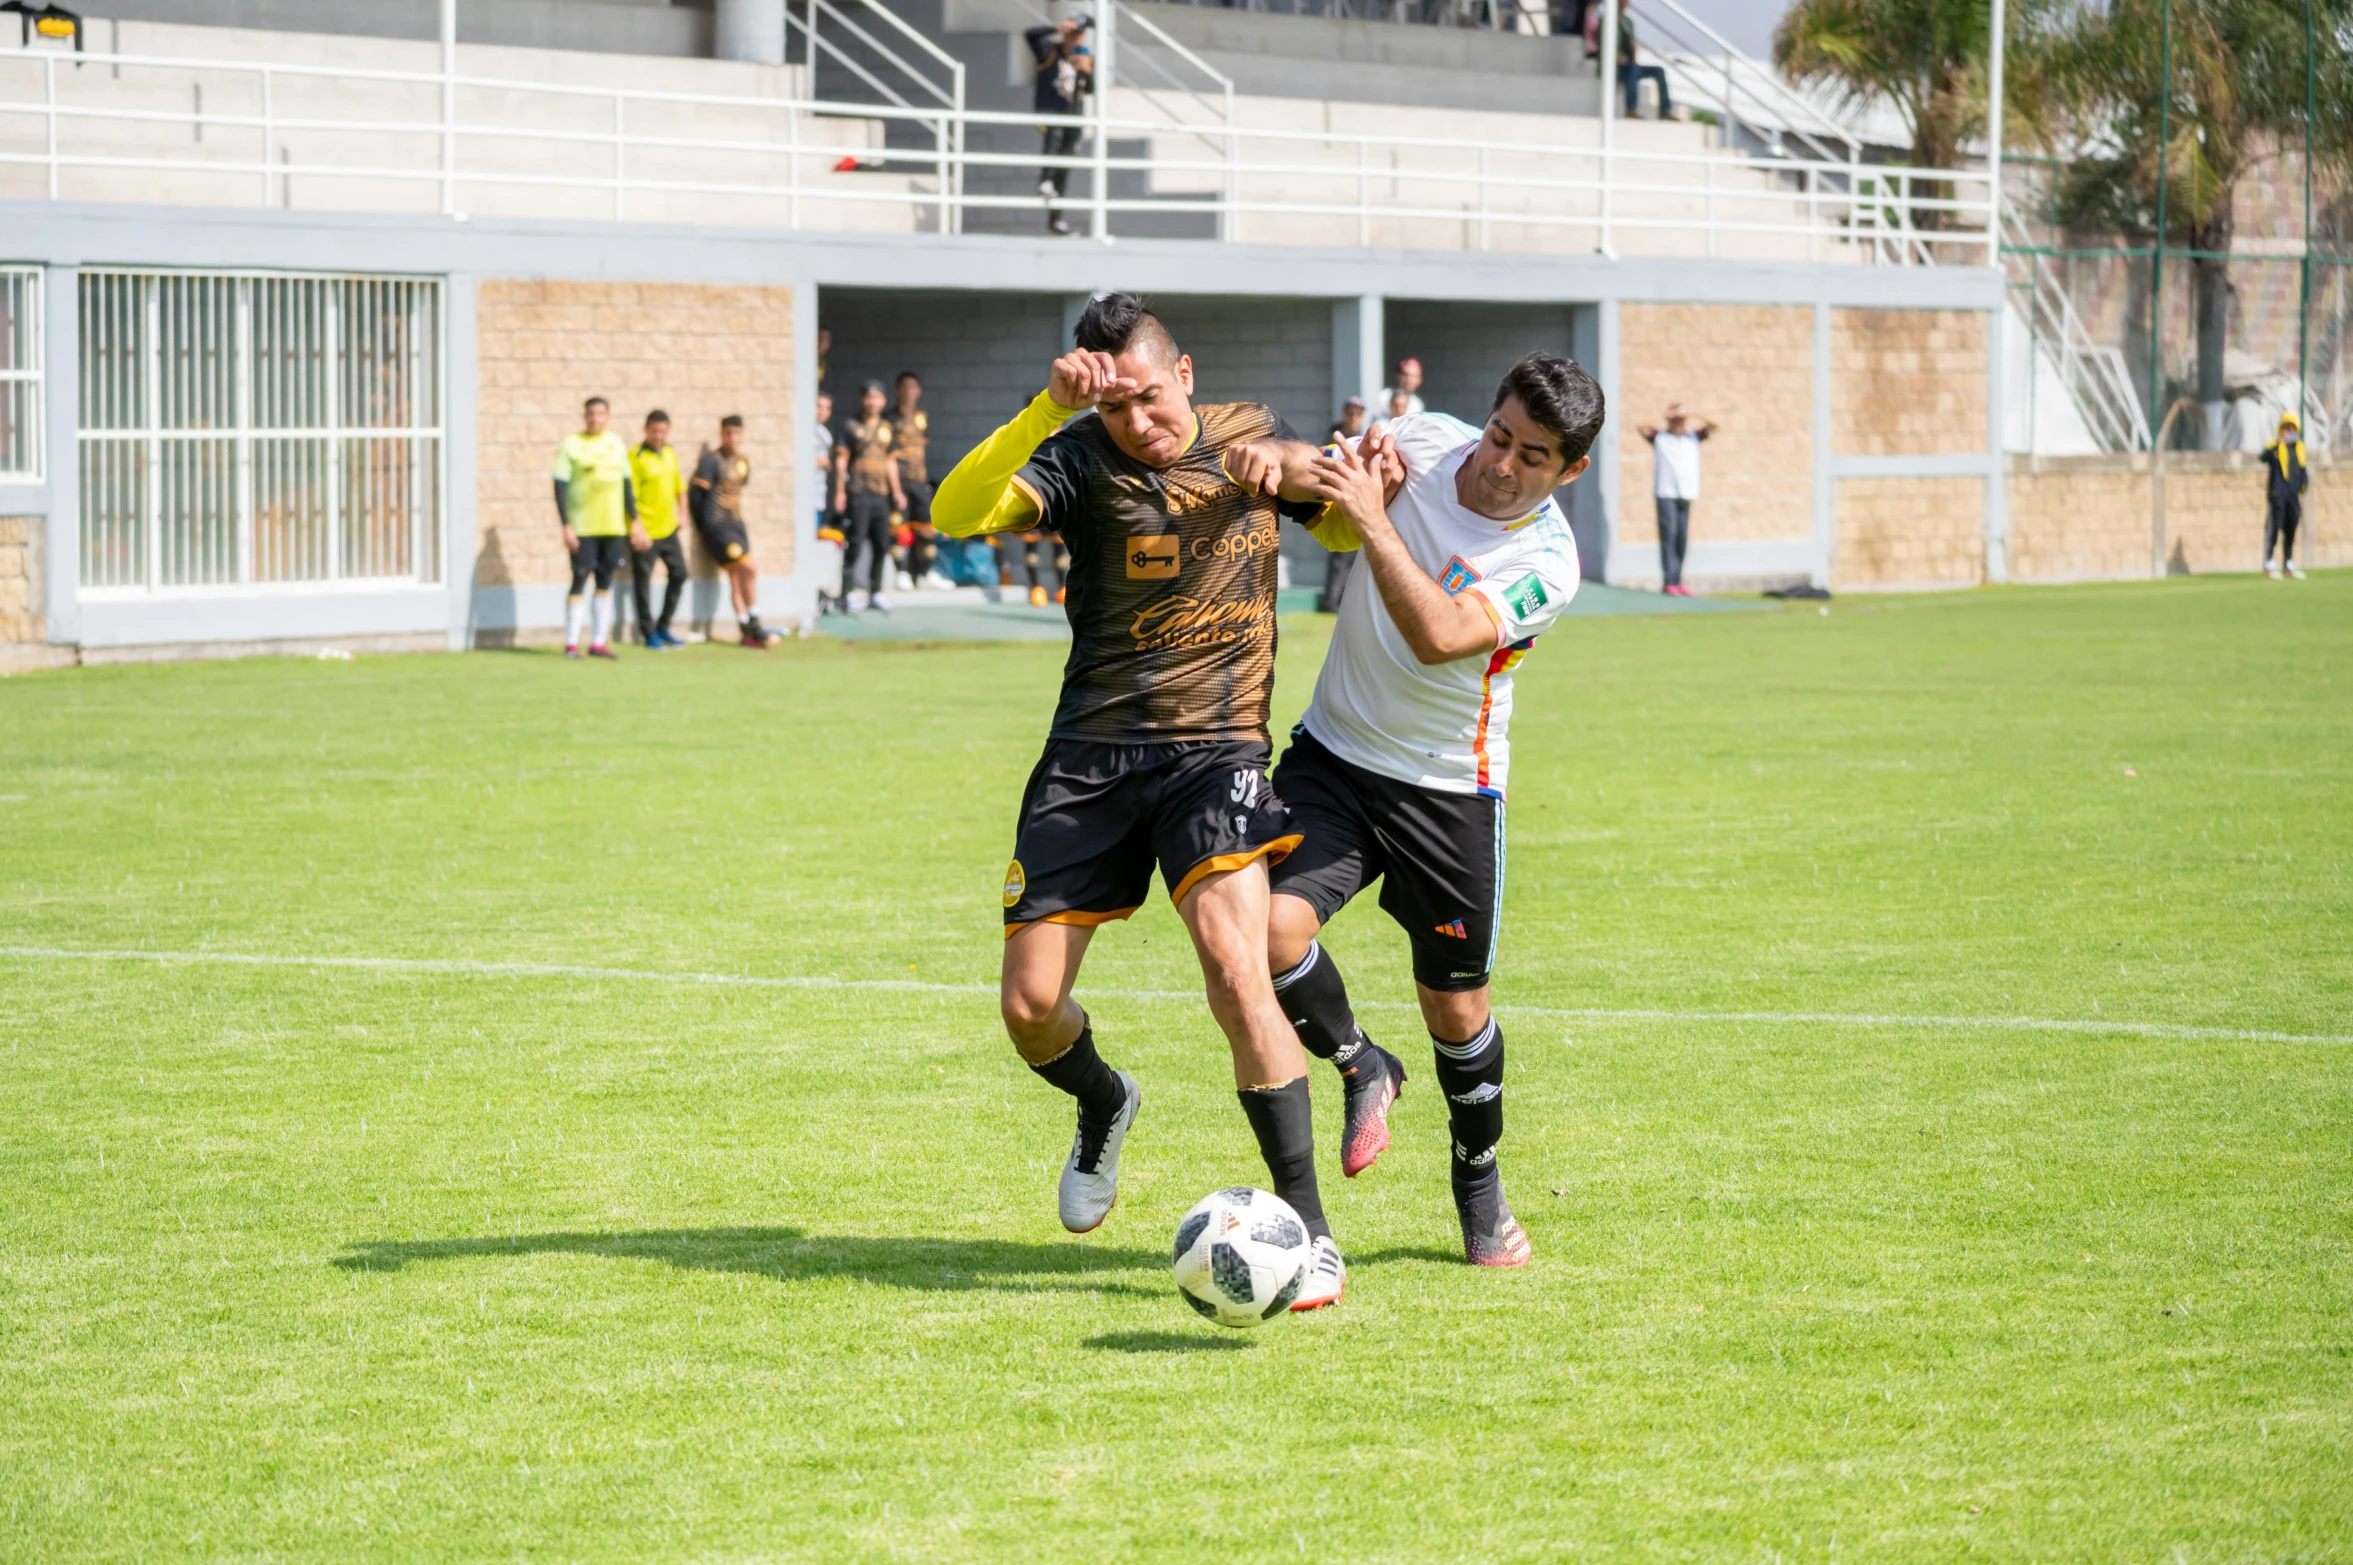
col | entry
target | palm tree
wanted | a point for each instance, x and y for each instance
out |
(1927, 58)
(2235, 94)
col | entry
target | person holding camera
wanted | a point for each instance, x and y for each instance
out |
(1065, 71)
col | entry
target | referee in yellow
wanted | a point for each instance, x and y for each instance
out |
(661, 505)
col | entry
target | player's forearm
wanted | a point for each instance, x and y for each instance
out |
(563, 503)
(1298, 472)
(1440, 627)
(629, 499)
(979, 495)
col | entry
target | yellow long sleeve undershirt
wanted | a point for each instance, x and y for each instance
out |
(980, 494)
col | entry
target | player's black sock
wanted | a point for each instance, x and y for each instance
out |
(1315, 998)
(1471, 1076)
(1080, 1071)
(1284, 1122)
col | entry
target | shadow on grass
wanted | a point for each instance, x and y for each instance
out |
(1165, 1342)
(793, 1255)
(1405, 1252)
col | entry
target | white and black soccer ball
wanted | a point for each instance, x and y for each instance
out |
(1241, 1257)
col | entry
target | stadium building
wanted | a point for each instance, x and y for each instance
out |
(298, 296)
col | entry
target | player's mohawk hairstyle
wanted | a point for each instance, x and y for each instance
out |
(1123, 323)
(1559, 395)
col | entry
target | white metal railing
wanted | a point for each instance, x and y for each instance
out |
(2096, 376)
(21, 305)
(1275, 185)
(882, 65)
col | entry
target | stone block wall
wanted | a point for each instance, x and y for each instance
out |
(2088, 518)
(1909, 533)
(20, 579)
(1907, 382)
(1752, 368)
(696, 351)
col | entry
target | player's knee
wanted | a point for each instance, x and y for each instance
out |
(1031, 1021)
(1291, 927)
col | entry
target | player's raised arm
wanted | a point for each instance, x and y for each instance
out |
(1439, 627)
(980, 494)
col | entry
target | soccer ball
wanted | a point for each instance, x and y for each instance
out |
(1241, 1256)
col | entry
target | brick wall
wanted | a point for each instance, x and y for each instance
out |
(20, 584)
(2088, 518)
(1909, 532)
(1907, 382)
(696, 351)
(1752, 368)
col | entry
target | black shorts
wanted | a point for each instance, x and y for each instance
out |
(726, 540)
(598, 557)
(1095, 818)
(1438, 856)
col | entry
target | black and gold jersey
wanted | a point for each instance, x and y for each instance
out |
(1171, 589)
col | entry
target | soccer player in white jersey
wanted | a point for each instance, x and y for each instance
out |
(1396, 772)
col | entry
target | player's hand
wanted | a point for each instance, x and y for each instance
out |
(639, 539)
(1257, 465)
(841, 501)
(571, 540)
(1381, 452)
(1351, 482)
(1082, 377)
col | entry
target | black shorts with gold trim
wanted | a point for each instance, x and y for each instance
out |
(1096, 818)
(725, 539)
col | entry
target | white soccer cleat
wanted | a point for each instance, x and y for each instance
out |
(1090, 1180)
(1326, 1280)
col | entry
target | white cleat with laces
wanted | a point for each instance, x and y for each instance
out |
(1090, 1180)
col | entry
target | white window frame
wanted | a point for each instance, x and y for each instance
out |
(36, 423)
(429, 541)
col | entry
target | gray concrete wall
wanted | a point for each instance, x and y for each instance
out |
(982, 356)
(658, 27)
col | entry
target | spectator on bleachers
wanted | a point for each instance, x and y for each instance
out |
(1409, 381)
(1350, 424)
(1632, 74)
(1063, 70)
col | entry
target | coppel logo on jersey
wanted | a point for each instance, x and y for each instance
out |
(1152, 557)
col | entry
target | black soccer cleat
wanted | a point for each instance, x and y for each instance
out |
(1369, 1086)
(1491, 1236)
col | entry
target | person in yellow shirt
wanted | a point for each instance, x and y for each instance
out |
(2285, 478)
(596, 504)
(661, 504)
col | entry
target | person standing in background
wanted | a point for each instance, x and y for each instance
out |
(1632, 73)
(1675, 464)
(596, 504)
(661, 506)
(1060, 82)
(866, 492)
(829, 521)
(1350, 423)
(2285, 478)
(1409, 385)
(910, 437)
(715, 500)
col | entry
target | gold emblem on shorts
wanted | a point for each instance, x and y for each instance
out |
(1152, 557)
(1015, 883)
(734, 551)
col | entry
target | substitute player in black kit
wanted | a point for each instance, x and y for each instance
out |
(1159, 747)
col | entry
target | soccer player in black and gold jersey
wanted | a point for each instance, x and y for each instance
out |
(1159, 747)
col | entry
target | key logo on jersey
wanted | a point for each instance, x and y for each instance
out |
(1458, 575)
(1453, 929)
(1152, 557)
(1015, 882)
(1525, 596)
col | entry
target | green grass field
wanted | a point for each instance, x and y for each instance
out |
(1838, 1254)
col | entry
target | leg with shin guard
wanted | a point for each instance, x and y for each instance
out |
(1283, 1120)
(1315, 998)
(1470, 1073)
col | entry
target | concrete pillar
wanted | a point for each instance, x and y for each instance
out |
(1357, 349)
(751, 30)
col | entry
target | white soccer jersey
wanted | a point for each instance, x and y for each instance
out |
(1442, 725)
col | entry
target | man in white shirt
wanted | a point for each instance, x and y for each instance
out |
(1409, 384)
(1675, 458)
(1396, 772)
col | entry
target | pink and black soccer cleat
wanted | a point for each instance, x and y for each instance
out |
(1491, 1236)
(1371, 1085)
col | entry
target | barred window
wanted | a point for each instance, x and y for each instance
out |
(20, 374)
(255, 429)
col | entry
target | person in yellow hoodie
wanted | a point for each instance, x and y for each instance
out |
(2285, 478)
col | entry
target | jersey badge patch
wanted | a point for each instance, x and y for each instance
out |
(1015, 882)
(1454, 929)
(1457, 575)
(1152, 557)
(1526, 596)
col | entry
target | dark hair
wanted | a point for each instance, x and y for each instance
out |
(1123, 323)
(872, 388)
(657, 416)
(1559, 395)
(594, 402)
(907, 375)
(732, 421)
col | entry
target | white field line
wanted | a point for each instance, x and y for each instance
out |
(464, 969)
